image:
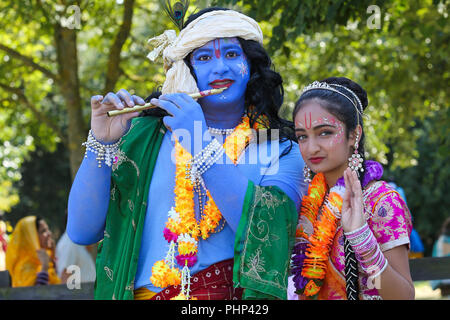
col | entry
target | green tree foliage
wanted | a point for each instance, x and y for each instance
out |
(290, 19)
(44, 187)
(426, 183)
(54, 56)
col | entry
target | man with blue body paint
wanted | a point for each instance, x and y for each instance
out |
(126, 206)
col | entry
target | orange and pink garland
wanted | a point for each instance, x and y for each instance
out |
(182, 229)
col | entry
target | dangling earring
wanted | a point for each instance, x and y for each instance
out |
(307, 174)
(355, 161)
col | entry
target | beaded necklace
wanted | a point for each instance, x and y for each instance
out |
(220, 131)
(182, 230)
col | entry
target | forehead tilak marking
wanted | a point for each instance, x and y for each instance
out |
(216, 44)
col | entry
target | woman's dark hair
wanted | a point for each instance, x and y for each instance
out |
(264, 89)
(38, 221)
(345, 111)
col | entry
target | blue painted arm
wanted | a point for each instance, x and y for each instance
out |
(229, 185)
(88, 202)
(287, 174)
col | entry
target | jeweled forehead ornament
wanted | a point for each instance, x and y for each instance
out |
(329, 86)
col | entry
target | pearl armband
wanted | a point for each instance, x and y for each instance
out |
(104, 152)
(203, 160)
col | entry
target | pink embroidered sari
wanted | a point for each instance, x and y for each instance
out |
(390, 221)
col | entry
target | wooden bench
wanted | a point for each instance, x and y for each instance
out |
(51, 292)
(424, 269)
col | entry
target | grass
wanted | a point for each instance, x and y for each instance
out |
(425, 292)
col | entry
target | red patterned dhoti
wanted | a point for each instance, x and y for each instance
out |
(213, 283)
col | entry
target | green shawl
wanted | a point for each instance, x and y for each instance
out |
(263, 241)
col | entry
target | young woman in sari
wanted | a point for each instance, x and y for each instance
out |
(352, 237)
(31, 253)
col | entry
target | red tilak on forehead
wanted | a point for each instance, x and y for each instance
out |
(306, 122)
(216, 44)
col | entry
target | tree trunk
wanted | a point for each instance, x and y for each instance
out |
(66, 49)
(113, 66)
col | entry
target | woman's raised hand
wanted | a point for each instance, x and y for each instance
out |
(43, 258)
(110, 129)
(352, 206)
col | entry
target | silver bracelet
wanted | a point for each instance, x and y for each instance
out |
(104, 152)
(361, 236)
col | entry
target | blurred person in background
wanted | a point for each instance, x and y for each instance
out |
(3, 244)
(30, 256)
(441, 248)
(70, 254)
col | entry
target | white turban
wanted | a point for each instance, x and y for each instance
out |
(207, 27)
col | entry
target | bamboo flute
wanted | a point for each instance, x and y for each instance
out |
(150, 106)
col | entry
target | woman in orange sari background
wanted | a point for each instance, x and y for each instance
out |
(30, 256)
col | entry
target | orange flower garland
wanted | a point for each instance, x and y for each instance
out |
(164, 276)
(313, 266)
(312, 202)
(182, 228)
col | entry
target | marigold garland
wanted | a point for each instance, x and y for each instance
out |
(163, 275)
(182, 228)
(312, 250)
(312, 202)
